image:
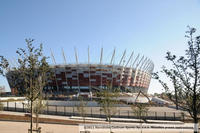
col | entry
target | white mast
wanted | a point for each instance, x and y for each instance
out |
(135, 60)
(136, 69)
(144, 72)
(129, 74)
(113, 55)
(141, 72)
(77, 67)
(132, 65)
(54, 61)
(129, 59)
(111, 62)
(101, 59)
(122, 57)
(89, 68)
(122, 69)
(65, 63)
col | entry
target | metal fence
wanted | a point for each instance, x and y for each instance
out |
(96, 112)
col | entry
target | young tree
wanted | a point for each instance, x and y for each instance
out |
(81, 107)
(185, 76)
(108, 101)
(140, 110)
(30, 74)
(38, 106)
(3, 66)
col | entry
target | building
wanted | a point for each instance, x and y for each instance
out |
(133, 75)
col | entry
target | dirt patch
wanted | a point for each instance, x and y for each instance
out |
(6, 117)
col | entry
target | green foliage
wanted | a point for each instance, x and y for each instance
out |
(38, 106)
(185, 76)
(140, 110)
(3, 65)
(1, 106)
(31, 73)
(108, 101)
(81, 107)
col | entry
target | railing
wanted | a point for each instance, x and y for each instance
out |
(96, 112)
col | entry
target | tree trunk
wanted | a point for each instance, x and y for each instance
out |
(196, 126)
(37, 121)
(176, 98)
(175, 89)
(110, 125)
(31, 126)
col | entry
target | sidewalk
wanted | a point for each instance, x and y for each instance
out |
(77, 120)
(63, 124)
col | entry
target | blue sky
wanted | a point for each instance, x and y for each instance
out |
(149, 27)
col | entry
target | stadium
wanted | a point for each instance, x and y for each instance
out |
(130, 75)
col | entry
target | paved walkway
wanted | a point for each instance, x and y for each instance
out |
(22, 127)
(90, 119)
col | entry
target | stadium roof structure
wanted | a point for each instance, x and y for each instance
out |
(133, 74)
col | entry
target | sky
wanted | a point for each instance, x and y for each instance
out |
(147, 27)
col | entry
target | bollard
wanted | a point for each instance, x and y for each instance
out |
(15, 107)
(7, 105)
(146, 117)
(91, 111)
(156, 115)
(56, 109)
(64, 110)
(47, 109)
(73, 111)
(174, 116)
(165, 115)
(183, 116)
(23, 106)
(128, 113)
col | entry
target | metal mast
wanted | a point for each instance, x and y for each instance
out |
(136, 69)
(141, 72)
(132, 65)
(54, 61)
(144, 71)
(129, 59)
(113, 55)
(129, 74)
(77, 67)
(150, 71)
(111, 62)
(101, 59)
(89, 68)
(122, 57)
(65, 63)
(122, 69)
(135, 60)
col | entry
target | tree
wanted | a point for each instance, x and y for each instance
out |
(38, 106)
(31, 73)
(2, 90)
(185, 76)
(140, 110)
(108, 101)
(81, 107)
(3, 65)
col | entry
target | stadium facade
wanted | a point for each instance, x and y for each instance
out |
(133, 75)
